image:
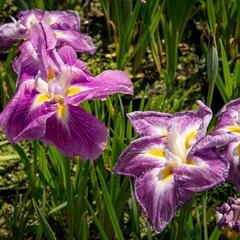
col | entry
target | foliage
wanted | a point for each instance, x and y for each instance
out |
(60, 198)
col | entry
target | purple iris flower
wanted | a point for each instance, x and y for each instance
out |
(46, 107)
(62, 27)
(228, 130)
(228, 218)
(166, 168)
(37, 53)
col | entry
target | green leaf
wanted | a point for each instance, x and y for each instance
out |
(43, 221)
(99, 226)
(110, 208)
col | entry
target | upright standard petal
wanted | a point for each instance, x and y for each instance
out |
(20, 119)
(150, 123)
(78, 68)
(75, 132)
(187, 123)
(105, 84)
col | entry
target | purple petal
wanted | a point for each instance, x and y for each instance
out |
(229, 118)
(204, 171)
(26, 65)
(42, 36)
(154, 123)
(62, 19)
(150, 123)
(10, 33)
(232, 154)
(79, 134)
(213, 140)
(158, 197)
(19, 120)
(77, 67)
(107, 83)
(79, 41)
(142, 155)
(30, 17)
(185, 122)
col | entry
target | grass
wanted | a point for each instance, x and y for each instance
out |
(50, 197)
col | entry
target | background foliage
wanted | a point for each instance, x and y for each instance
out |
(163, 45)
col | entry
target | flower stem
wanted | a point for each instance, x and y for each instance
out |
(69, 198)
(204, 202)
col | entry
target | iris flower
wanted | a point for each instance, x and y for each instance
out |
(228, 127)
(166, 167)
(36, 54)
(62, 27)
(46, 107)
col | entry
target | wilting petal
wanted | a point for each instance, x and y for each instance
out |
(20, 120)
(202, 171)
(233, 155)
(62, 19)
(10, 33)
(75, 132)
(106, 83)
(150, 123)
(156, 193)
(142, 155)
(79, 41)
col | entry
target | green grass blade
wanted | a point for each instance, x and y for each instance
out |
(43, 221)
(110, 208)
(97, 222)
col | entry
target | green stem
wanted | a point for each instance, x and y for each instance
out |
(204, 201)
(69, 198)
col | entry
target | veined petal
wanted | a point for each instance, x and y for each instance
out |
(142, 155)
(150, 123)
(26, 65)
(30, 17)
(191, 125)
(62, 19)
(9, 33)
(42, 36)
(79, 41)
(78, 68)
(19, 120)
(214, 140)
(229, 119)
(156, 193)
(203, 171)
(106, 83)
(75, 132)
(233, 155)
